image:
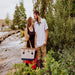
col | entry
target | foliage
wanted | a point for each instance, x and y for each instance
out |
(22, 33)
(22, 69)
(20, 16)
(73, 8)
(12, 27)
(61, 27)
(7, 19)
(69, 57)
(60, 60)
(41, 6)
(16, 16)
(61, 30)
(60, 24)
(52, 67)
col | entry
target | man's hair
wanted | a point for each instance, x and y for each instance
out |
(36, 12)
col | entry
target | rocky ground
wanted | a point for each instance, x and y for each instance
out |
(10, 52)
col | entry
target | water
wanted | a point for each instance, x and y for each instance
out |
(3, 33)
(10, 52)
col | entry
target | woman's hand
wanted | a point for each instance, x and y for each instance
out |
(35, 48)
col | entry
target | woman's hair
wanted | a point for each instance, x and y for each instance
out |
(29, 22)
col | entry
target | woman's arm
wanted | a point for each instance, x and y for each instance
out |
(26, 35)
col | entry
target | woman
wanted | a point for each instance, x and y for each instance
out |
(30, 35)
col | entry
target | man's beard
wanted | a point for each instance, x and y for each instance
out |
(37, 19)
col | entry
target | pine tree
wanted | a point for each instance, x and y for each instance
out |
(7, 19)
(20, 16)
(16, 16)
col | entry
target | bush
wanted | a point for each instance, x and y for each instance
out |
(61, 27)
(22, 33)
(22, 69)
(52, 67)
(13, 27)
(22, 27)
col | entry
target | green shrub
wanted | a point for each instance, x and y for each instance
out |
(61, 26)
(13, 27)
(22, 33)
(22, 27)
(52, 67)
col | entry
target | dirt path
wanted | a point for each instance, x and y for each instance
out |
(10, 52)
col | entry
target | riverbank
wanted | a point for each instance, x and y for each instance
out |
(10, 52)
(4, 35)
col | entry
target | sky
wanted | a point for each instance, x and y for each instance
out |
(8, 7)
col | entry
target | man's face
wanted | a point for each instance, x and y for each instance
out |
(35, 16)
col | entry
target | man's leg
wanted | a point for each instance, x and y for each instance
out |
(39, 57)
(43, 50)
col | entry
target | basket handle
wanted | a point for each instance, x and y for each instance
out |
(26, 46)
(30, 46)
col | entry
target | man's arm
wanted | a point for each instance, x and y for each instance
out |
(46, 31)
(46, 37)
(35, 41)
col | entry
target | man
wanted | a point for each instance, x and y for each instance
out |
(41, 35)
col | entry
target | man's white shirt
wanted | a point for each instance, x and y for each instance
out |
(40, 32)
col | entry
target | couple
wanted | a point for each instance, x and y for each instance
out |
(37, 34)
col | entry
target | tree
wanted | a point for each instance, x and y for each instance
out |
(7, 19)
(42, 6)
(20, 16)
(60, 25)
(16, 16)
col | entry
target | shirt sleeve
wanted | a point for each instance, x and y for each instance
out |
(45, 25)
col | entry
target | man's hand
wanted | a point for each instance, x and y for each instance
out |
(45, 43)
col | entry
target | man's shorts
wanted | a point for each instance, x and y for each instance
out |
(41, 52)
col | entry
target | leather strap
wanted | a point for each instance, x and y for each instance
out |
(30, 46)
